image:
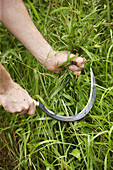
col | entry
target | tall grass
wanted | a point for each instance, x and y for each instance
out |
(40, 142)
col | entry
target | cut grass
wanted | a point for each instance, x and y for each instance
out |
(40, 142)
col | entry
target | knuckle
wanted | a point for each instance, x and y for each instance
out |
(25, 107)
(32, 110)
(82, 66)
(9, 109)
(31, 103)
(79, 60)
(18, 110)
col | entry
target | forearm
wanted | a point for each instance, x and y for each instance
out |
(5, 80)
(16, 19)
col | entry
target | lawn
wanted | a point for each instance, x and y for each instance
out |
(82, 27)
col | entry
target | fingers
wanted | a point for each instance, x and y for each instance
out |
(76, 69)
(21, 107)
(27, 110)
(14, 107)
(57, 63)
(77, 73)
(31, 110)
(22, 112)
(32, 107)
(79, 61)
(78, 66)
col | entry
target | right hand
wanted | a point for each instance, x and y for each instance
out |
(53, 62)
(17, 100)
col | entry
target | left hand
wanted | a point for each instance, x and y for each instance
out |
(17, 100)
(56, 62)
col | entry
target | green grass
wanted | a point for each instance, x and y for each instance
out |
(40, 142)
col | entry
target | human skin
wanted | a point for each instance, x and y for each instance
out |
(13, 97)
(15, 18)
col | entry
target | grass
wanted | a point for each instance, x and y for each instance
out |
(40, 142)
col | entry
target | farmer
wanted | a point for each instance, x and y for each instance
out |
(14, 16)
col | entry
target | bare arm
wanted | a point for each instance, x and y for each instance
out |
(15, 18)
(5, 80)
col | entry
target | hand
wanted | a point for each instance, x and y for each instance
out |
(56, 62)
(17, 100)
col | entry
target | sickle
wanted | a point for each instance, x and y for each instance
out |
(80, 115)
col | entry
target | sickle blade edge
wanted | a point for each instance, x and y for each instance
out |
(83, 113)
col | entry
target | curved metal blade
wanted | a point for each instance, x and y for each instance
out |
(80, 115)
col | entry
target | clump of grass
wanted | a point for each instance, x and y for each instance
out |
(40, 142)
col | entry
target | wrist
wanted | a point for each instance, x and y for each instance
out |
(6, 81)
(5, 88)
(44, 55)
(48, 57)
